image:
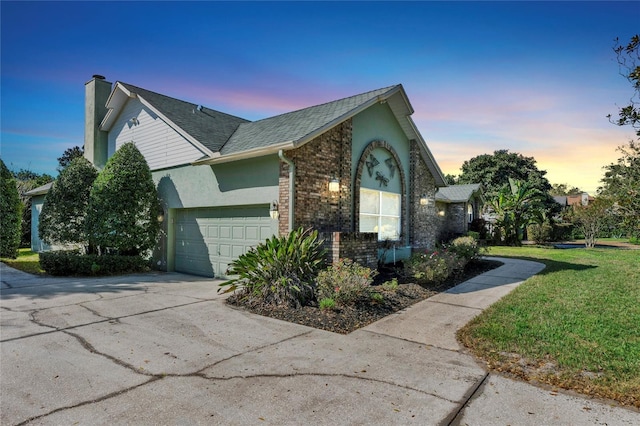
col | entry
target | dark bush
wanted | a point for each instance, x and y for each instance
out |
(64, 263)
(10, 214)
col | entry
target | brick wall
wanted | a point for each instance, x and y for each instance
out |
(359, 246)
(327, 156)
(424, 222)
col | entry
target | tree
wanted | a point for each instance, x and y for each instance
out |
(62, 220)
(564, 189)
(629, 67)
(592, 219)
(68, 155)
(450, 179)
(10, 214)
(494, 171)
(123, 205)
(515, 206)
(621, 182)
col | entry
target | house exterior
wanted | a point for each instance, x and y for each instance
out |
(458, 206)
(582, 199)
(356, 169)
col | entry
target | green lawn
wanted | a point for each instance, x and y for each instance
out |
(26, 261)
(576, 325)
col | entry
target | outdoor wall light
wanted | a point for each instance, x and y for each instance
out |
(334, 185)
(424, 200)
(273, 210)
(441, 212)
(161, 215)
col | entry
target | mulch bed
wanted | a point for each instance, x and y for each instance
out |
(347, 319)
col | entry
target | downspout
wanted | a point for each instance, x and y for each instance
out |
(292, 195)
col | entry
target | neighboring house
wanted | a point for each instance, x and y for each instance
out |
(582, 199)
(355, 169)
(37, 200)
(458, 206)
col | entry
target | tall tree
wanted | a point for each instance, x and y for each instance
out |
(10, 213)
(621, 180)
(629, 67)
(493, 171)
(69, 155)
(123, 206)
(62, 220)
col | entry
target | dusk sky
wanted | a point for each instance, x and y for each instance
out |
(534, 78)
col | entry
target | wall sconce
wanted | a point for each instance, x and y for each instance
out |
(424, 200)
(161, 216)
(441, 212)
(134, 121)
(273, 210)
(334, 185)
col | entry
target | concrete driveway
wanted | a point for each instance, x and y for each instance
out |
(163, 348)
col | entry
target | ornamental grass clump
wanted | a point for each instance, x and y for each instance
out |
(434, 267)
(280, 271)
(345, 282)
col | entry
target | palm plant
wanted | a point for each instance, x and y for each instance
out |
(516, 206)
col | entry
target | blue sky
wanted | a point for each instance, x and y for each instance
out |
(535, 78)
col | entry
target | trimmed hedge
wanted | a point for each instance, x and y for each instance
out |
(64, 263)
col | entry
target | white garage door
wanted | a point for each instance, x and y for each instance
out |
(207, 240)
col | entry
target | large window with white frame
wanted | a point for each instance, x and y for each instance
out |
(380, 212)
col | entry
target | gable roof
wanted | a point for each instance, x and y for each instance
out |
(223, 137)
(457, 193)
(209, 127)
(295, 128)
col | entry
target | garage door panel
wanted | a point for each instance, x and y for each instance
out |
(208, 240)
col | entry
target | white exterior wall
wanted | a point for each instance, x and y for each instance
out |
(158, 142)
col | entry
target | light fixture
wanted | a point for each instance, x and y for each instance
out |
(334, 185)
(424, 200)
(441, 212)
(161, 216)
(273, 210)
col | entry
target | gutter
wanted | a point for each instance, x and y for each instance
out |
(292, 195)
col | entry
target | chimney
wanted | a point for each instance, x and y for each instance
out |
(96, 94)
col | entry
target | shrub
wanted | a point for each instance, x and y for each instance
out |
(62, 220)
(473, 234)
(465, 247)
(345, 282)
(540, 233)
(390, 285)
(72, 262)
(326, 303)
(433, 266)
(281, 270)
(123, 207)
(377, 298)
(10, 214)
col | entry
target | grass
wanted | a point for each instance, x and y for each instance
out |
(27, 261)
(576, 325)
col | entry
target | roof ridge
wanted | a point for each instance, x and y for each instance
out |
(128, 86)
(386, 89)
